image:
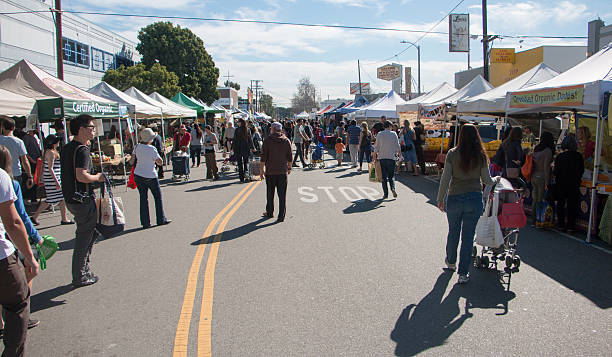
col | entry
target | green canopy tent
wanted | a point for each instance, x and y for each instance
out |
(185, 101)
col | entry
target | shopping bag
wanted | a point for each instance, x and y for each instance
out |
(544, 215)
(378, 170)
(38, 173)
(512, 215)
(488, 230)
(527, 167)
(45, 250)
(372, 172)
(111, 220)
(131, 182)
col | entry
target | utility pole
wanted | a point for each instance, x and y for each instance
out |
(228, 78)
(485, 41)
(359, 73)
(257, 88)
(58, 39)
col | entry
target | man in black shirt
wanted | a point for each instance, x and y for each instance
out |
(378, 127)
(78, 193)
(158, 143)
(419, 132)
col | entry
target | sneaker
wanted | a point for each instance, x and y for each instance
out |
(33, 323)
(385, 197)
(464, 278)
(450, 266)
(87, 280)
(394, 193)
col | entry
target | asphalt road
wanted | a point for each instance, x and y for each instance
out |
(346, 274)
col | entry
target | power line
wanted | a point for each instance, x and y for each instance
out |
(439, 22)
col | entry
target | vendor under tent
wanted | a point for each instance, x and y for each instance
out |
(185, 111)
(580, 89)
(440, 92)
(384, 106)
(493, 102)
(185, 101)
(12, 104)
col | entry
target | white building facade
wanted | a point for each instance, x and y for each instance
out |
(88, 49)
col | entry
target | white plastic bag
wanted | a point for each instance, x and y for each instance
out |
(488, 231)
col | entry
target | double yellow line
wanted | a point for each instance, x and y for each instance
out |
(181, 338)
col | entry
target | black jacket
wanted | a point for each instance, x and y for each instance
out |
(243, 141)
(569, 167)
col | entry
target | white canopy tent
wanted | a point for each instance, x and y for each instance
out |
(477, 86)
(580, 89)
(384, 106)
(134, 105)
(168, 112)
(440, 92)
(13, 104)
(186, 112)
(302, 115)
(494, 101)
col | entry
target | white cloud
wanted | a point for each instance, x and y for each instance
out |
(145, 4)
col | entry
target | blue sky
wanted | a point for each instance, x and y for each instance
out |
(280, 55)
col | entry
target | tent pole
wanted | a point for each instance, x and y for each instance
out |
(540, 132)
(135, 128)
(65, 131)
(122, 155)
(163, 140)
(443, 135)
(595, 175)
(100, 153)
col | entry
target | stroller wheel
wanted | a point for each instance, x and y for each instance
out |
(508, 261)
(517, 261)
(484, 261)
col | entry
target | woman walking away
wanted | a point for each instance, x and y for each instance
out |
(407, 139)
(145, 158)
(365, 145)
(514, 156)
(195, 146)
(52, 180)
(569, 167)
(242, 146)
(465, 170)
(210, 140)
(540, 173)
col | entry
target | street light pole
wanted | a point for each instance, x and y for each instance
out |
(418, 62)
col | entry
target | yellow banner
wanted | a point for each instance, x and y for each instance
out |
(502, 55)
(559, 97)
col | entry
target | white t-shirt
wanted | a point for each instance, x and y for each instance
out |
(17, 149)
(195, 141)
(145, 164)
(297, 138)
(7, 193)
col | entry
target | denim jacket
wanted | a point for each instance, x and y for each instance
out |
(20, 207)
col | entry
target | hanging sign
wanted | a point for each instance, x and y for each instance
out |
(388, 72)
(435, 113)
(558, 97)
(365, 88)
(459, 33)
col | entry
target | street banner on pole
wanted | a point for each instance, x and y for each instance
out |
(459, 33)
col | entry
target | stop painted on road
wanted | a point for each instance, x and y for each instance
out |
(348, 193)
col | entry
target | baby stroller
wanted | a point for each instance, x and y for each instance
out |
(254, 169)
(504, 203)
(317, 157)
(180, 166)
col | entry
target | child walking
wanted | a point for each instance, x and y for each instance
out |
(339, 150)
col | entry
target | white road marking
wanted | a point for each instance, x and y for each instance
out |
(309, 193)
(327, 190)
(351, 194)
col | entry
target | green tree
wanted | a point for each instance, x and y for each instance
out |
(306, 96)
(154, 79)
(183, 53)
(230, 84)
(265, 103)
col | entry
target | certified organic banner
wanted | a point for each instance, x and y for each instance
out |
(558, 97)
(435, 113)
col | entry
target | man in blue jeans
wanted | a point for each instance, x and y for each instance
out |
(387, 148)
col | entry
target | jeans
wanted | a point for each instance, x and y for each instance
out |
(144, 184)
(299, 151)
(387, 168)
(85, 217)
(462, 213)
(354, 151)
(15, 301)
(537, 193)
(278, 183)
(365, 152)
(243, 162)
(196, 152)
(567, 196)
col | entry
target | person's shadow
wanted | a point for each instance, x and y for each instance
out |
(429, 323)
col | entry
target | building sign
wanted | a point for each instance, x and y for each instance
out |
(388, 72)
(365, 88)
(435, 113)
(502, 55)
(459, 33)
(224, 101)
(558, 97)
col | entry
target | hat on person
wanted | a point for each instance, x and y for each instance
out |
(277, 126)
(147, 135)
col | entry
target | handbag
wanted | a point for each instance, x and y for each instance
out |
(512, 215)
(378, 171)
(38, 173)
(131, 182)
(545, 215)
(527, 167)
(111, 220)
(372, 172)
(488, 230)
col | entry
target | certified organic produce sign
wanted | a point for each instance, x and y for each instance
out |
(87, 107)
(564, 97)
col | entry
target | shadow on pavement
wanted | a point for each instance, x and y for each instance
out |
(363, 205)
(349, 174)
(238, 231)
(420, 185)
(429, 323)
(211, 187)
(46, 299)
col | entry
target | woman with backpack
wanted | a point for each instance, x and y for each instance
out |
(365, 145)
